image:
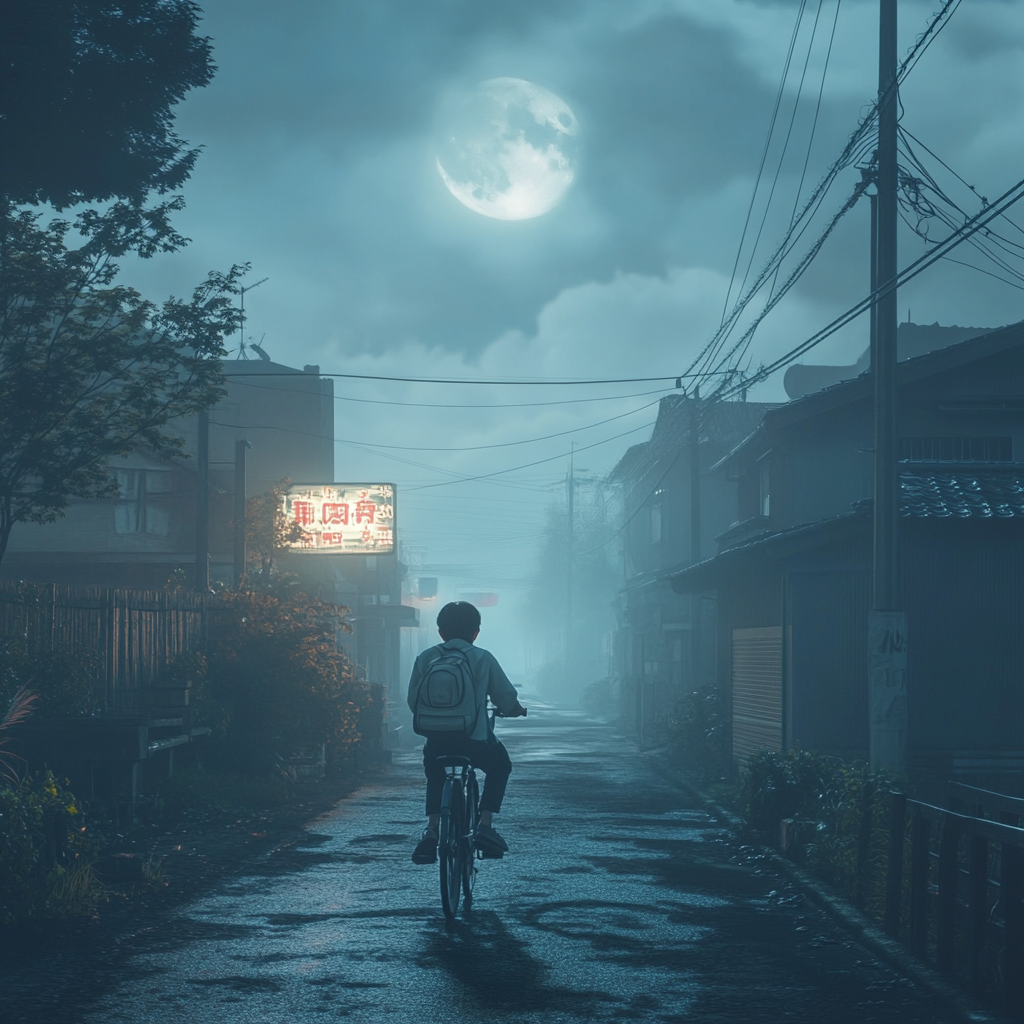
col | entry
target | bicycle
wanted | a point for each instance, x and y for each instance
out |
(456, 847)
(460, 814)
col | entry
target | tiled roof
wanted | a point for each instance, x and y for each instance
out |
(962, 493)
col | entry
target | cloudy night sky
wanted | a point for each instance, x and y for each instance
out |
(320, 136)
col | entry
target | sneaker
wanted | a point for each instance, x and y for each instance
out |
(489, 842)
(426, 849)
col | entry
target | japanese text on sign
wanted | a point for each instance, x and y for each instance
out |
(356, 519)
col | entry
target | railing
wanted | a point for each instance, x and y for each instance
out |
(964, 897)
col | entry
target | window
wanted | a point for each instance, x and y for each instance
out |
(956, 449)
(141, 501)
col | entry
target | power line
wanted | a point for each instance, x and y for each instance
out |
(937, 252)
(476, 405)
(856, 147)
(528, 465)
(513, 381)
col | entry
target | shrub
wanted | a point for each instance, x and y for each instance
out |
(274, 680)
(844, 809)
(63, 677)
(696, 729)
(45, 854)
(782, 785)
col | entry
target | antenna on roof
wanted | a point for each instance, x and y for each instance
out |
(241, 322)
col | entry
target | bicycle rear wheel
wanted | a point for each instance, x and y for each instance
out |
(450, 846)
(469, 859)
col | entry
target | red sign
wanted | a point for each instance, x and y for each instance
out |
(342, 518)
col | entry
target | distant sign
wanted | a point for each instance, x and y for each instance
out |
(480, 600)
(342, 519)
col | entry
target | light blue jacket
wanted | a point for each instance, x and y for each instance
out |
(489, 680)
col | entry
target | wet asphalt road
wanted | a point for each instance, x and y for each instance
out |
(620, 901)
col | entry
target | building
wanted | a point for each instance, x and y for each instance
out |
(145, 535)
(142, 535)
(672, 508)
(792, 577)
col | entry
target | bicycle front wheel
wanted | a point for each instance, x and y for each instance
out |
(450, 847)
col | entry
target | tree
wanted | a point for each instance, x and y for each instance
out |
(90, 370)
(572, 591)
(87, 89)
(268, 531)
(275, 675)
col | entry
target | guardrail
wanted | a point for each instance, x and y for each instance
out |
(964, 897)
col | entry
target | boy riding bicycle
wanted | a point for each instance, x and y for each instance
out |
(456, 657)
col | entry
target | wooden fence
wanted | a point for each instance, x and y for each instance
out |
(136, 632)
(963, 900)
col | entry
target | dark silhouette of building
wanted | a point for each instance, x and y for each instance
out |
(793, 575)
(663, 644)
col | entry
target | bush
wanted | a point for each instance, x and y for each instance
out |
(842, 811)
(64, 677)
(45, 854)
(274, 680)
(697, 733)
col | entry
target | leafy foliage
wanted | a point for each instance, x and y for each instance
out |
(87, 89)
(90, 370)
(275, 676)
(18, 709)
(842, 812)
(267, 529)
(45, 854)
(697, 729)
(63, 678)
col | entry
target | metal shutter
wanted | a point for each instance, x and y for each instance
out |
(756, 690)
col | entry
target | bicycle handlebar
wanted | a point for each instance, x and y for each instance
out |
(498, 714)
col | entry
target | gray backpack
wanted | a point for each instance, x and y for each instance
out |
(446, 698)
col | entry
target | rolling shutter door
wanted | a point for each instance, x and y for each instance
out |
(756, 690)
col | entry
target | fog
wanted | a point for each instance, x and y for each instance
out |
(318, 167)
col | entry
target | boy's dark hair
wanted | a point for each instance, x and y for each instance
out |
(458, 619)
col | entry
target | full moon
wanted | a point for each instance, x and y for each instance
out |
(509, 149)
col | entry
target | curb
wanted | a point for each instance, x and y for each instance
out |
(865, 931)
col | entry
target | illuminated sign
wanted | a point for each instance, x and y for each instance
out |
(341, 519)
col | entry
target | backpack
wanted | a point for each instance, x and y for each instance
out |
(446, 698)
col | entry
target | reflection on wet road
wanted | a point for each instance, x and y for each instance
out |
(619, 902)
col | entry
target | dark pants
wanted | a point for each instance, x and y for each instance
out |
(490, 756)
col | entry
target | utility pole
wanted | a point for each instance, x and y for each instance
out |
(887, 631)
(570, 553)
(873, 329)
(240, 449)
(202, 570)
(695, 418)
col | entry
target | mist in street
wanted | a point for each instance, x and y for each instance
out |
(511, 511)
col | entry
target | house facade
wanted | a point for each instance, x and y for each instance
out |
(792, 576)
(145, 535)
(672, 507)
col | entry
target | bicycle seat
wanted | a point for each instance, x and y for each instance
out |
(451, 761)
